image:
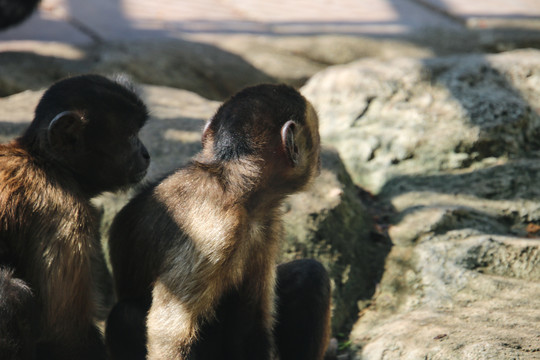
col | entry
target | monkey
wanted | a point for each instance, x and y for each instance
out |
(16, 311)
(13, 12)
(82, 141)
(194, 255)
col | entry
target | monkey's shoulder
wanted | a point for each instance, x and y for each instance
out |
(173, 187)
(18, 174)
(13, 157)
(28, 193)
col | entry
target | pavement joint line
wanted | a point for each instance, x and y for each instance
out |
(82, 27)
(447, 14)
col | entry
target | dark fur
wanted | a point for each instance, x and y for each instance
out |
(13, 12)
(197, 251)
(303, 308)
(49, 237)
(16, 311)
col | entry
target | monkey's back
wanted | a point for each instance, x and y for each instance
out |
(134, 244)
(25, 201)
(169, 225)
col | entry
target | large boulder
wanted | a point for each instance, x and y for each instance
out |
(411, 116)
(330, 223)
(450, 147)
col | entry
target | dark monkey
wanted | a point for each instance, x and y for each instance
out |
(194, 256)
(13, 12)
(82, 141)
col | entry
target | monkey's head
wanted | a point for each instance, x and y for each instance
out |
(89, 126)
(272, 124)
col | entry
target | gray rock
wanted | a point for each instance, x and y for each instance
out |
(410, 116)
(330, 223)
(201, 68)
(469, 297)
(294, 59)
(16, 112)
(214, 66)
(36, 65)
(450, 146)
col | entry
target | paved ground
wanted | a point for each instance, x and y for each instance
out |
(84, 21)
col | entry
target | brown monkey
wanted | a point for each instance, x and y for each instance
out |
(195, 255)
(82, 141)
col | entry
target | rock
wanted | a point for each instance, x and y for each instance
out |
(294, 59)
(16, 112)
(214, 66)
(450, 146)
(329, 222)
(36, 65)
(470, 297)
(201, 68)
(410, 116)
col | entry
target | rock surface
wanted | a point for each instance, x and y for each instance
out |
(213, 66)
(330, 223)
(201, 68)
(450, 146)
(410, 116)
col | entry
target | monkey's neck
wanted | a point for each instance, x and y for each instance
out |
(49, 171)
(244, 182)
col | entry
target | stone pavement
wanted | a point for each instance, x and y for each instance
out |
(83, 21)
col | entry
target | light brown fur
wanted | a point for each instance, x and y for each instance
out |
(58, 266)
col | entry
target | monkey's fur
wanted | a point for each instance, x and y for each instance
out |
(82, 141)
(197, 252)
(13, 12)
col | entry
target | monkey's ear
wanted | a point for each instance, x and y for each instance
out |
(205, 130)
(288, 142)
(65, 129)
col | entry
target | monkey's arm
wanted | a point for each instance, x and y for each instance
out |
(171, 325)
(183, 298)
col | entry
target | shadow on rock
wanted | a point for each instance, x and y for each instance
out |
(204, 69)
(330, 222)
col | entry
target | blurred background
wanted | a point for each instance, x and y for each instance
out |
(287, 40)
(79, 21)
(426, 213)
